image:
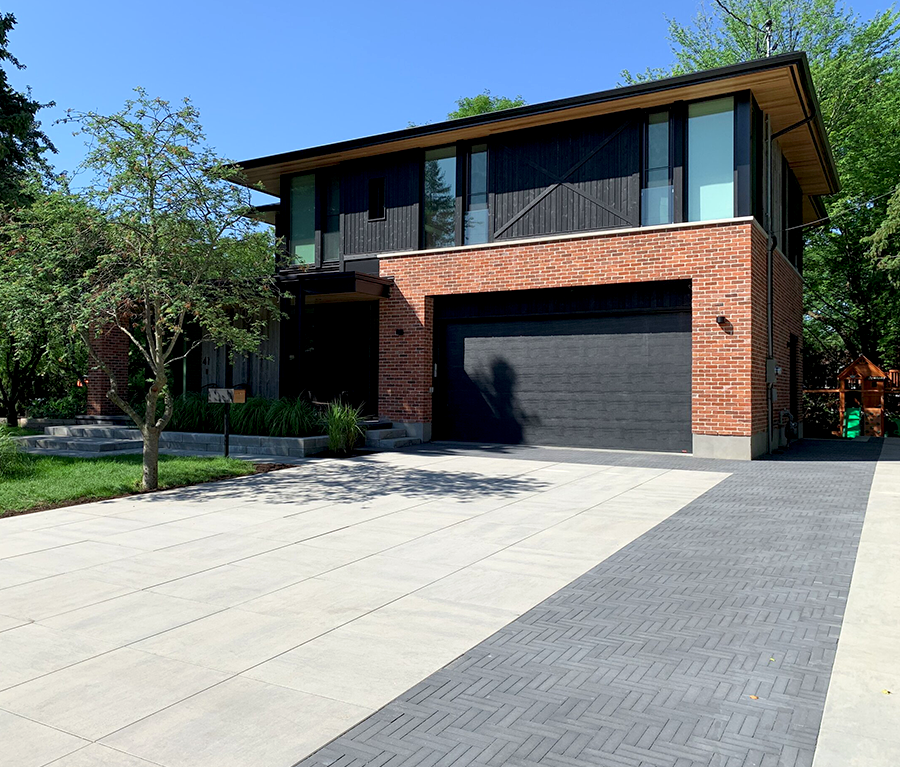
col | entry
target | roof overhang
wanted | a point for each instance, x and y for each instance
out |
(782, 86)
(334, 287)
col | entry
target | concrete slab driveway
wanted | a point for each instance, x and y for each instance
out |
(251, 622)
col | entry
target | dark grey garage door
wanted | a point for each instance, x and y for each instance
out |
(605, 378)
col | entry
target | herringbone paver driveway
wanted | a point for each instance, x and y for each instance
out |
(707, 641)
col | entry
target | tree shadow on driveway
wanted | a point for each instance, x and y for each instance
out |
(351, 481)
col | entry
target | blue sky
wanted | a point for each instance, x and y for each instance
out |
(277, 75)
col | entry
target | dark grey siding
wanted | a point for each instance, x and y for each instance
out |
(571, 177)
(400, 228)
(586, 367)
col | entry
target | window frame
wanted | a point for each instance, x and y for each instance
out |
(671, 117)
(735, 98)
(369, 217)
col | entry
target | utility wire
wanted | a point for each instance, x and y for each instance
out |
(765, 30)
(842, 212)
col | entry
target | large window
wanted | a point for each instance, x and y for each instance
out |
(657, 194)
(710, 167)
(302, 249)
(439, 202)
(476, 226)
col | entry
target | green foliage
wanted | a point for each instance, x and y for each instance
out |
(294, 417)
(55, 481)
(342, 427)
(252, 417)
(468, 106)
(161, 240)
(71, 404)
(851, 296)
(192, 411)
(13, 462)
(285, 417)
(22, 142)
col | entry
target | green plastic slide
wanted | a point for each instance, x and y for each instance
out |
(853, 426)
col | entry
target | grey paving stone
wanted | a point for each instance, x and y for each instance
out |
(651, 658)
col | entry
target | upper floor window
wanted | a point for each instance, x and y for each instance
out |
(439, 198)
(331, 218)
(376, 199)
(476, 224)
(710, 160)
(657, 194)
(302, 246)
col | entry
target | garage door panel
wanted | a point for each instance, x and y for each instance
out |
(613, 382)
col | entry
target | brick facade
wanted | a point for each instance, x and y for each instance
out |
(112, 347)
(724, 261)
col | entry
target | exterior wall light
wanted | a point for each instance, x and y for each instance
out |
(720, 320)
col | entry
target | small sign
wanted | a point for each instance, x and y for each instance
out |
(228, 396)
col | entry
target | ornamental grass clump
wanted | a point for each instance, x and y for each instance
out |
(293, 417)
(13, 462)
(342, 427)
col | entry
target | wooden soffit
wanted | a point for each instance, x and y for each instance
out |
(781, 85)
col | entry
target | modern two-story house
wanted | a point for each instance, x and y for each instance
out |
(616, 270)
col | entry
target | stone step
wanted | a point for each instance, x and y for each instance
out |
(394, 444)
(376, 435)
(93, 432)
(80, 444)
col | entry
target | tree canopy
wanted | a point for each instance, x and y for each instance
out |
(160, 240)
(22, 142)
(852, 300)
(469, 106)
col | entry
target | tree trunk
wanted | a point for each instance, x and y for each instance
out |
(150, 476)
(12, 416)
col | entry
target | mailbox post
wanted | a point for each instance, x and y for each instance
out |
(227, 397)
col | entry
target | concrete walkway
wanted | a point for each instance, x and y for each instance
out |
(250, 622)
(861, 724)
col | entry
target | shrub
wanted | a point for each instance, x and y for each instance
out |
(72, 404)
(293, 417)
(13, 462)
(342, 427)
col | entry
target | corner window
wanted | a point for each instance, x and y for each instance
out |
(439, 198)
(302, 248)
(376, 199)
(657, 193)
(710, 160)
(476, 223)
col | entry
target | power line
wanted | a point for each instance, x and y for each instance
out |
(765, 30)
(843, 212)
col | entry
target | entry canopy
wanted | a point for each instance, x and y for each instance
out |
(335, 287)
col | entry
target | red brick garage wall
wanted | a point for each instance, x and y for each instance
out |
(787, 299)
(719, 259)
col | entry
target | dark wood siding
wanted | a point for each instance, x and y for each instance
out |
(572, 177)
(399, 230)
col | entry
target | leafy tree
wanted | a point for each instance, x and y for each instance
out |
(468, 106)
(22, 142)
(23, 334)
(170, 244)
(35, 336)
(852, 301)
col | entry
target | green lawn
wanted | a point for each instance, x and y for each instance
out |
(58, 481)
